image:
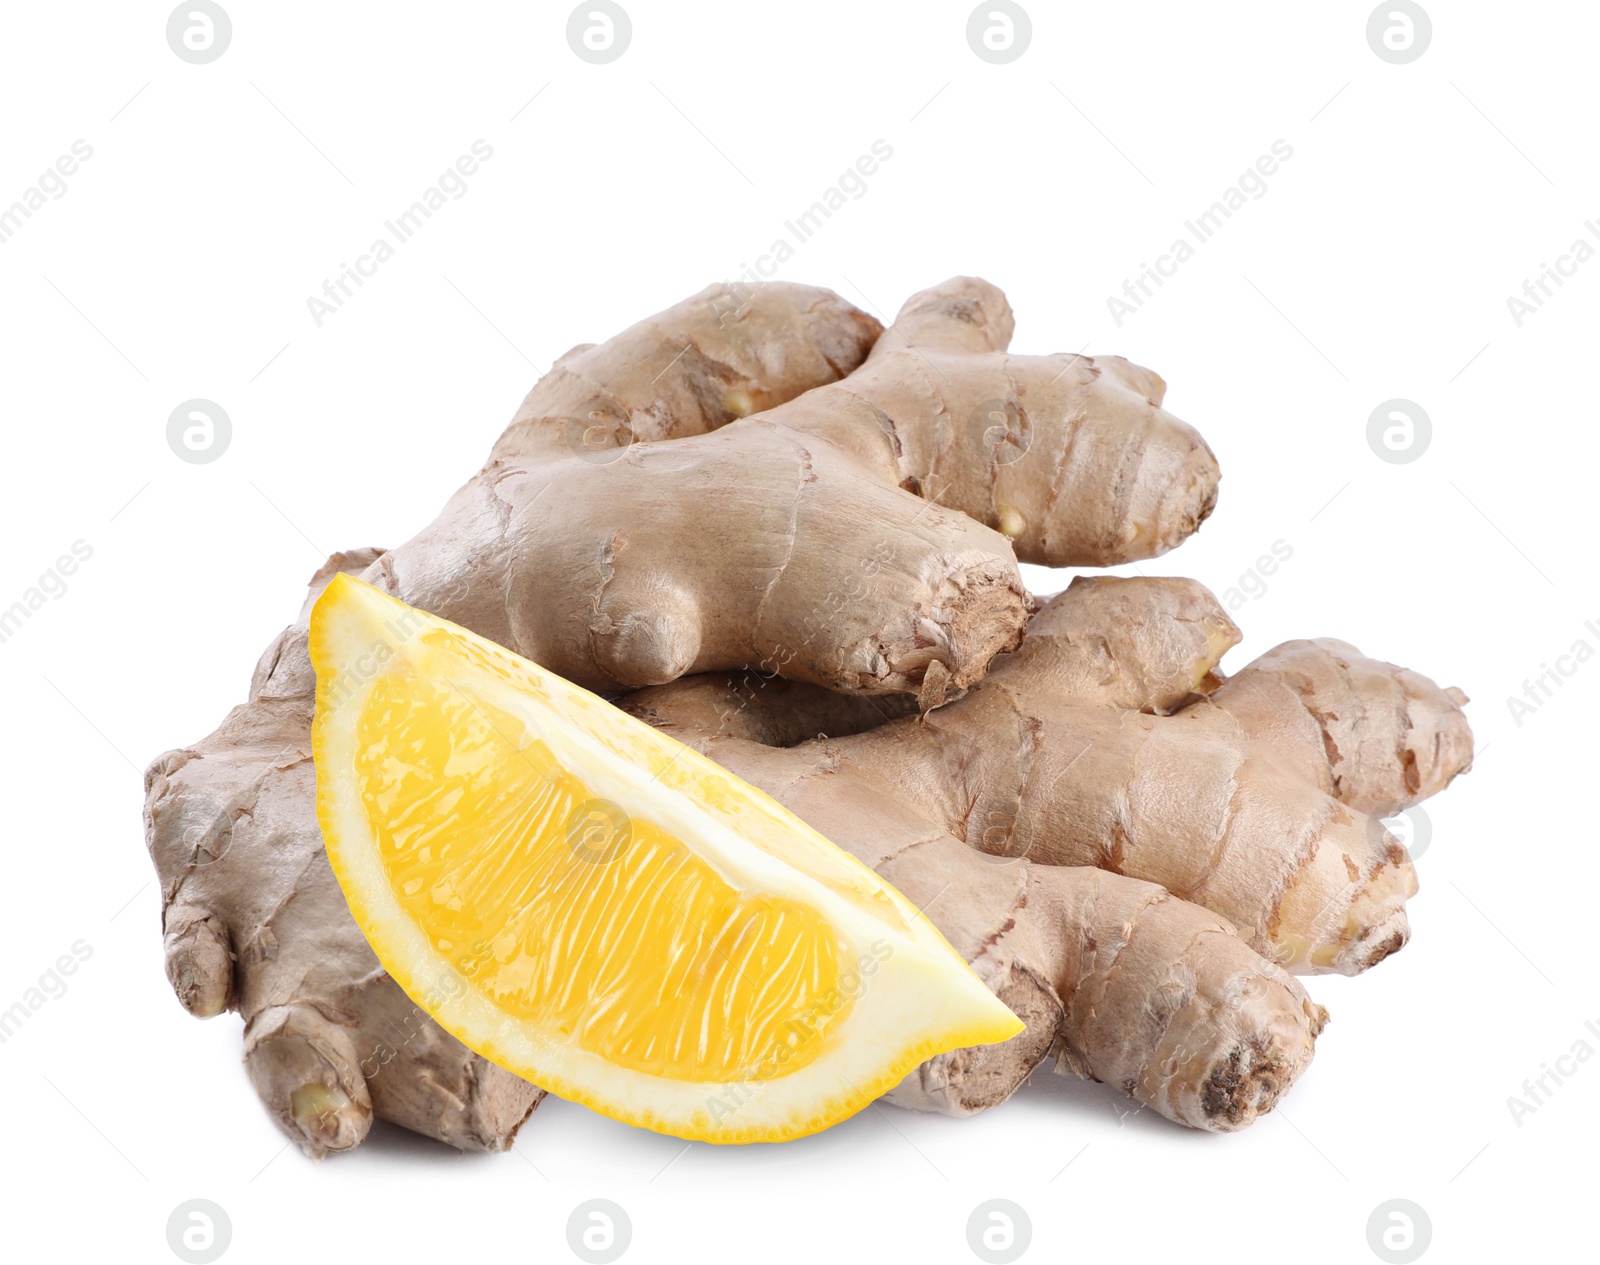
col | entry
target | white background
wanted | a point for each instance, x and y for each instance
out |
(178, 264)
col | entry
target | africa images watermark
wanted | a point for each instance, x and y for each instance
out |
(1538, 1090)
(353, 673)
(1250, 186)
(51, 184)
(851, 186)
(51, 985)
(1539, 690)
(1536, 290)
(450, 186)
(452, 985)
(1253, 583)
(50, 586)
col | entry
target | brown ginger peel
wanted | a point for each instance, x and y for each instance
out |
(720, 489)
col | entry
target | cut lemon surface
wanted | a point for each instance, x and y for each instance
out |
(601, 909)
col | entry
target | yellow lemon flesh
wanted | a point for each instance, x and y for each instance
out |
(602, 910)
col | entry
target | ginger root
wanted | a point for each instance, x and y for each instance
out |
(1118, 979)
(857, 533)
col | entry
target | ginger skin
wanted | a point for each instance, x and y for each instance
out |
(826, 560)
(819, 562)
(1116, 978)
(252, 916)
(1108, 740)
(1090, 766)
(851, 581)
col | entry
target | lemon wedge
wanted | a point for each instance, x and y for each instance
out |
(601, 909)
